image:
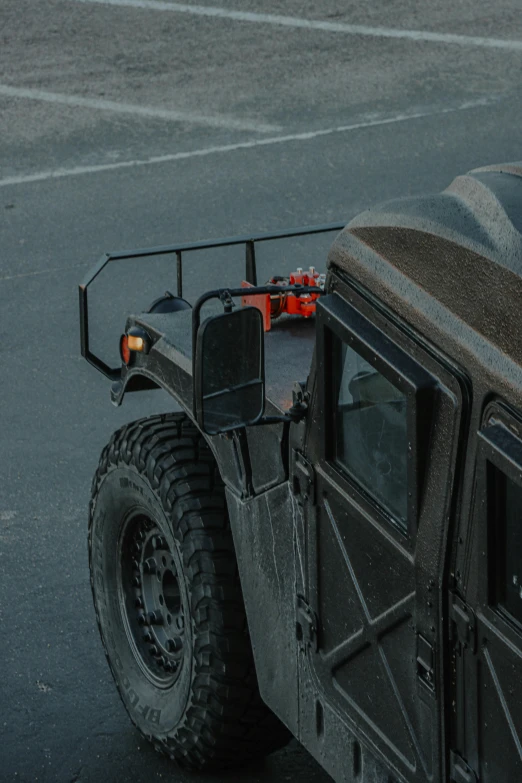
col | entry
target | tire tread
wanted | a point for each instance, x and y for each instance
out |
(225, 723)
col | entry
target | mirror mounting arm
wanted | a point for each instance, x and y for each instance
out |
(293, 415)
(226, 301)
(297, 410)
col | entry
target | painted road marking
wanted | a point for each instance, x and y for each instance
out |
(7, 516)
(316, 24)
(263, 142)
(220, 121)
(33, 273)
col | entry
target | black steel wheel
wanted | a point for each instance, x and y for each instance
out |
(168, 598)
(153, 599)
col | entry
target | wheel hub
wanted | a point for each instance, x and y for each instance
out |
(152, 599)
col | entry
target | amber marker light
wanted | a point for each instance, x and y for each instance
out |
(135, 343)
(124, 349)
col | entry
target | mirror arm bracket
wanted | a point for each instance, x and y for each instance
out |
(283, 419)
(226, 301)
(293, 415)
(296, 412)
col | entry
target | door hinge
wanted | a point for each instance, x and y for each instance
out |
(303, 477)
(460, 771)
(463, 626)
(306, 624)
(426, 663)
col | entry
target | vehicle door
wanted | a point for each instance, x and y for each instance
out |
(383, 443)
(488, 613)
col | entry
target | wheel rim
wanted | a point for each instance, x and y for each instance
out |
(152, 599)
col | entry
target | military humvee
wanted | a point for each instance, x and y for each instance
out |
(344, 566)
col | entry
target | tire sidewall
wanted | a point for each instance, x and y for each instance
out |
(157, 711)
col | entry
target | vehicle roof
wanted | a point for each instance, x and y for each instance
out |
(457, 253)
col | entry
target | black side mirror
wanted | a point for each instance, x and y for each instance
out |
(229, 371)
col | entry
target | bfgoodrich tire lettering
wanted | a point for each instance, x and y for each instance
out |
(158, 512)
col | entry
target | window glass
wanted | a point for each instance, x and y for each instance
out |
(371, 437)
(507, 532)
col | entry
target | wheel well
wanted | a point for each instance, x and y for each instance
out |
(139, 382)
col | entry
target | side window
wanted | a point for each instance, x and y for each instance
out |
(378, 401)
(505, 535)
(371, 431)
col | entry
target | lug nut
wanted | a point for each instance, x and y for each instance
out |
(156, 618)
(153, 650)
(136, 582)
(142, 620)
(150, 566)
(138, 603)
(159, 542)
(147, 636)
(174, 645)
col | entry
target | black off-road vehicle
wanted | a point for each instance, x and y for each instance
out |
(345, 564)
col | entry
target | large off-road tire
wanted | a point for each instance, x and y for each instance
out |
(168, 598)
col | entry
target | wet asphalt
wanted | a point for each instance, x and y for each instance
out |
(192, 167)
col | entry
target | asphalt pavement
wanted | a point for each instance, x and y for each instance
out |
(136, 123)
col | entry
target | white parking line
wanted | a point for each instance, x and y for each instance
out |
(220, 121)
(316, 24)
(295, 137)
(40, 272)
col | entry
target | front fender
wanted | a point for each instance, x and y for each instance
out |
(168, 363)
